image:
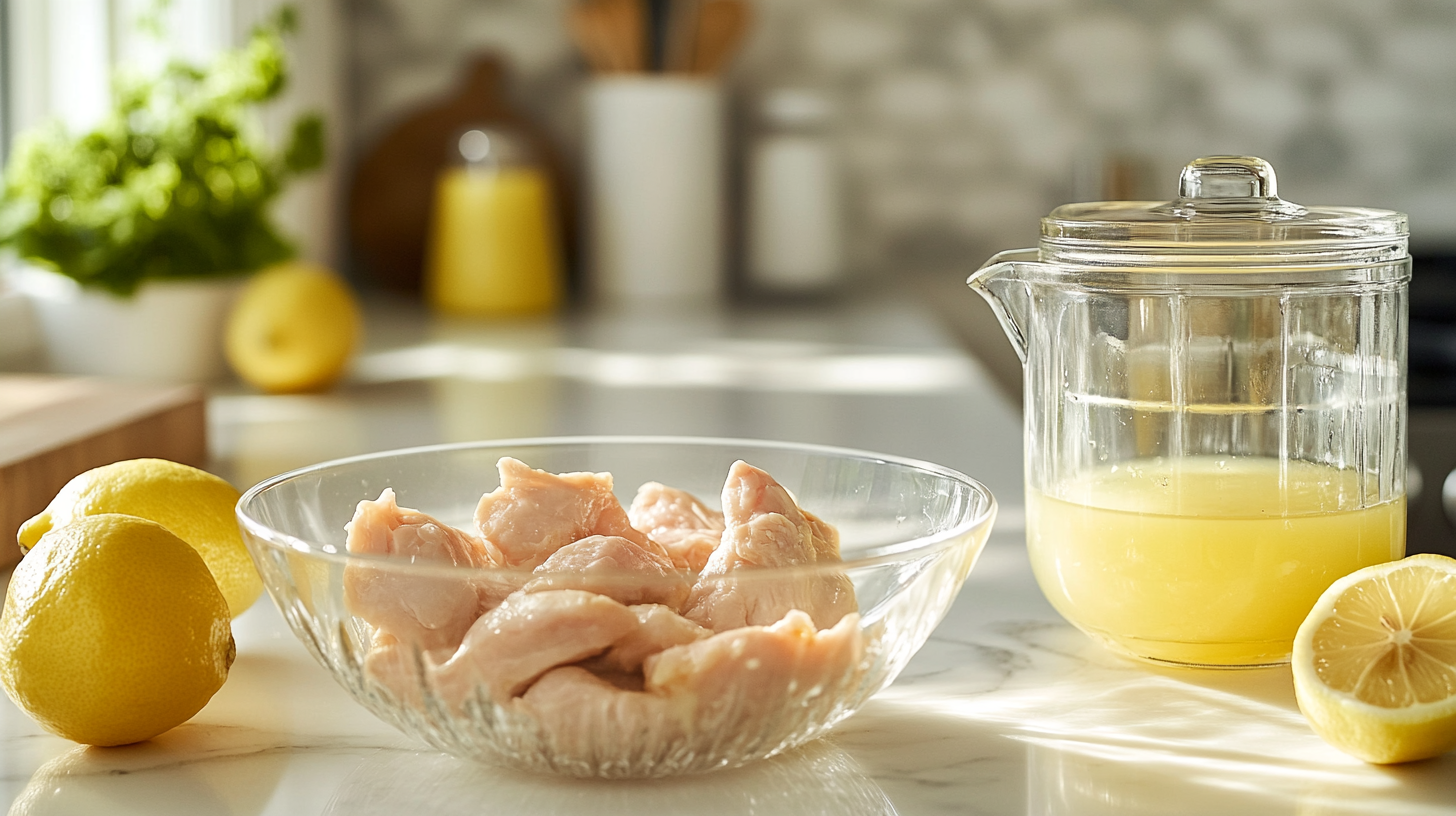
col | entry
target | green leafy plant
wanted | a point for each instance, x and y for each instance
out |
(173, 183)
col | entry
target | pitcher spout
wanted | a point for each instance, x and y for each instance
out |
(1003, 283)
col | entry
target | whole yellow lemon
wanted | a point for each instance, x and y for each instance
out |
(113, 631)
(194, 504)
(293, 329)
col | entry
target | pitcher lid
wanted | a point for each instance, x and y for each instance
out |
(1226, 205)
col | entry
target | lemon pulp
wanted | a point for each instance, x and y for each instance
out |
(1375, 662)
(1391, 641)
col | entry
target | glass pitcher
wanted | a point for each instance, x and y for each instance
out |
(1215, 409)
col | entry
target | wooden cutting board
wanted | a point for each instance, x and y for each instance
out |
(53, 428)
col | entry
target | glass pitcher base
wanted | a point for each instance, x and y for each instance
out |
(1258, 655)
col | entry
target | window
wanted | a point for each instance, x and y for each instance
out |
(60, 53)
(58, 56)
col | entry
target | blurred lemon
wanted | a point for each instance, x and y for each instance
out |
(194, 504)
(293, 329)
(1375, 661)
(113, 631)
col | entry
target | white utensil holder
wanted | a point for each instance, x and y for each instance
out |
(655, 167)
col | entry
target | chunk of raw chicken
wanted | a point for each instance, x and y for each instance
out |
(753, 684)
(743, 681)
(824, 536)
(749, 493)
(534, 513)
(527, 635)
(765, 528)
(658, 628)
(688, 529)
(401, 668)
(428, 611)
(586, 718)
(615, 567)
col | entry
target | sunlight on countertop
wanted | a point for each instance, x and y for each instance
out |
(767, 367)
(877, 374)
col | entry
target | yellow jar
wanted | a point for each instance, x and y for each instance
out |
(494, 247)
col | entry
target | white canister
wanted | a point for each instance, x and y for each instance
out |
(169, 330)
(795, 225)
(655, 167)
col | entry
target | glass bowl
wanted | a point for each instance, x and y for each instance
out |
(909, 534)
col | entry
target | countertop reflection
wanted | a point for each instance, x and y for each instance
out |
(1007, 710)
(818, 778)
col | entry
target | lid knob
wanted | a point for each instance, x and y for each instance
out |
(1231, 187)
(1228, 177)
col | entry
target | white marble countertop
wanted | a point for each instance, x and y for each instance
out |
(1007, 710)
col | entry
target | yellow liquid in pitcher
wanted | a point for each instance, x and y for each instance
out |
(1204, 560)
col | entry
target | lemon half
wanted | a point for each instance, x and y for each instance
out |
(1375, 661)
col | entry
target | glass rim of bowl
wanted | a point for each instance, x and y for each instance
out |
(874, 556)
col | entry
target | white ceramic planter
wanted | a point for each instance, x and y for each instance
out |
(170, 330)
(19, 345)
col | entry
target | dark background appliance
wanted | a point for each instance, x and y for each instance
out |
(1432, 509)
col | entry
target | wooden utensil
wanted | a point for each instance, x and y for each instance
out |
(611, 34)
(722, 25)
(584, 22)
(55, 428)
(659, 17)
(629, 32)
(682, 35)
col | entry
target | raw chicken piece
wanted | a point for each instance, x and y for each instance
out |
(765, 528)
(824, 536)
(527, 635)
(691, 552)
(586, 718)
(614, 567)
(658, 628)
(626, 681)
(750, 492)
(534, 513)
(429, 611)
(403, 670)
(495, 585)
(750, 684)
(688, 529)
(746, 680)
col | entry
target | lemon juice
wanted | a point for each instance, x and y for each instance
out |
(1205, 560)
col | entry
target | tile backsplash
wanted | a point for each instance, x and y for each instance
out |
(960, 123)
